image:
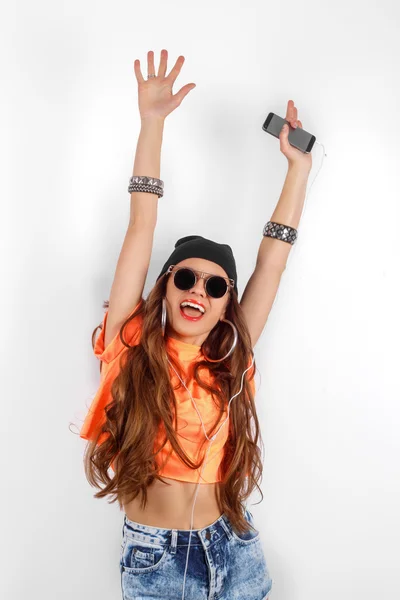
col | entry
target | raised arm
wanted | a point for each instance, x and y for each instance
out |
(262, 287)
(134, 259)
(156, 101)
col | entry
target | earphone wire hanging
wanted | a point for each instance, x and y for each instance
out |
(223, 423)
(211, 440)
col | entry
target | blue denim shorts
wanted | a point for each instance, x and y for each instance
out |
(222, 564)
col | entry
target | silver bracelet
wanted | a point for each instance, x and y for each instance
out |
(142, 183)
(280, 232)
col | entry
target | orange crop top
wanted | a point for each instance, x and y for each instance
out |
(187, 418)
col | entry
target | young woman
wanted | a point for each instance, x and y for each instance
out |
(174, 416)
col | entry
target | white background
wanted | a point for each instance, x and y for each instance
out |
(328, 359)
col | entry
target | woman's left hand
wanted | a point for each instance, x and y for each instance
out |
(295, 157)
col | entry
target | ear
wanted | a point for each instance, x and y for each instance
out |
(224, 312)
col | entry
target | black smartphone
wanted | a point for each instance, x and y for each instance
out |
(299, 138)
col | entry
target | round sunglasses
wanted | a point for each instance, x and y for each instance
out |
(185, 278)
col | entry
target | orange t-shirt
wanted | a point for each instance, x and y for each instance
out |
(190, 431)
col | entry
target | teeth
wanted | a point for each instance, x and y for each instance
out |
(193, 305)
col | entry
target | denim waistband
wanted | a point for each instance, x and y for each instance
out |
(180, 537)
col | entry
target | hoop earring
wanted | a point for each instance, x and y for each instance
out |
(235, 338)
(214, 360)
(163, 316)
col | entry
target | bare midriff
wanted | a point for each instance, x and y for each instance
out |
(170, 506)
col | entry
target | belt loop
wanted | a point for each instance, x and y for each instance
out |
(226, 527)
(174, 539)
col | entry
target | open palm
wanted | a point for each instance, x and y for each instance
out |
(156, 99)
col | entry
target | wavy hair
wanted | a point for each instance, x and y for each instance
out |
(143, 399)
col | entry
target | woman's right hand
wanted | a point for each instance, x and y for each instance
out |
(155, 94)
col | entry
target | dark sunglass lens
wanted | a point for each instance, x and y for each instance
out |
(184, 279)
(216, 286)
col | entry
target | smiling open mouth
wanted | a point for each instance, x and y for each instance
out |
(190, 313)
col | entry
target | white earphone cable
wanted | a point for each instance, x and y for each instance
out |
(223, 423)
(204, 461)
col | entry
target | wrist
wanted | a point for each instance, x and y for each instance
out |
(152, 122)
(299, 170)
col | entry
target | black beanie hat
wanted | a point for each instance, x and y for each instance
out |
(197, 246)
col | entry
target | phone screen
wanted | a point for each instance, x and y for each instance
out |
(300, 139)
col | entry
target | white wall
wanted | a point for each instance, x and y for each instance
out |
(328, 391)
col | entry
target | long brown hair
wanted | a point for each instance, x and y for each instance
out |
(143, 399)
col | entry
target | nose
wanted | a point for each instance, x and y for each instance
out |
(199, 287)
